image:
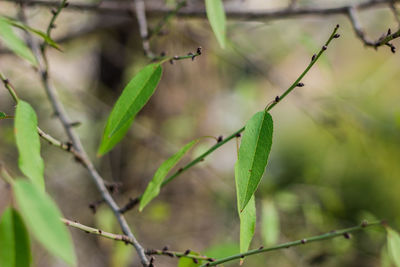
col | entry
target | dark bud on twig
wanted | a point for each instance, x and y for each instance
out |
(336, 36)
(277, 98)
(389, 32)
(165, 248)
(171, 62)
(364, 223)
(187, 252)
(300, 85)
(211, 259)
(198, 50)
(303, 241)
(176, 57)
(53, 11)
(151, 260)
(92, 207)
(53, 26)
(347, 235)
(220, 138)
(393, 49)
(75, 124)
(162, 54)
(238, 135)
(261, 247)
(324, 47)
(195, 261)
(313, 57)
(69, 145)
(66, 4)
(169, 254)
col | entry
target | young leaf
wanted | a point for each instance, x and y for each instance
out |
(187, 262)
(247, 221)
(2, 115)
(393, 243)
(153, 188)
(43, 219)
(14, 240)
(216, 17)
(39, 33)
(134, 96)
(30, 162)
(253, 155)
(12, 41)
(269, 223)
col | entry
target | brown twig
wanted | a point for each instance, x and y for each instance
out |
(140, 10)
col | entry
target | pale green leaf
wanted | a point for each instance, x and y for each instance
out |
(393, 243)
(253, 155)
(247, 221)
(12, 41)
(153, 188)
(14, 240)
(269, 223)
(188, 262)
(42, 217)
(30, 162)
(134, 96)
(217, 18)
(25, 27)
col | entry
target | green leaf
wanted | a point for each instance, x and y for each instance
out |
(188, 262)
(269, 223)
(39, 33)
(134, 96)
(14, 240)
(393, 243)
(43, 219)
(2, 115)
(247, 221)
(30, 162)
(153, 188)
(12, 41)
(216, 17)
(253, 155)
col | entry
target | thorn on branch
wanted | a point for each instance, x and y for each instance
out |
(220, 139)
(313, 57)
(300, 85)
(324, 47)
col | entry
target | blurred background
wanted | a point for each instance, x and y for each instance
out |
(336, 144)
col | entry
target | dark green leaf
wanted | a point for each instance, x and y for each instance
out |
(133, 98)
(153, 189)
(393, 243)
(14, 240)
(12, 41)
(43, 219)
(216, 17)
(253, 155)
(30, 162)
(247, 221)
(269, 223)
(2, 115)
(39, 33)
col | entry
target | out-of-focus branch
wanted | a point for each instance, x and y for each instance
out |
(332, 234)
(140, 10)
(76, 144)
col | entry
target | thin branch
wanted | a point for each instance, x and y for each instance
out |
(336, 233)
(76, 144)
(95, 231)
(143, 29)
(134, 201)
(177, 254)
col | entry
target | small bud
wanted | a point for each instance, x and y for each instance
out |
(277, 98)
(300, 85)
(211, 259)
(169, 254)
(187, 252)
(162, 54)
(313, 57)
(165, 248)
(66, 4)
(151, 260)
(53, 26)
(324, 47)
(220, 138)
(364, 223)
(347, 235)
(53, 11)
(198, 50)
(176, 57)
(389, 32)
(393, 49)
(336, 36)
(180, 170)
(261, 247)
(171, 62)
(238, 135)
(195, 261)
(303, 241)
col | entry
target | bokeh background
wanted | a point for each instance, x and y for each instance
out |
(336, 143)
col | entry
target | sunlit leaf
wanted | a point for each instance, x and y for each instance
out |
(134, 96)
(25, 27)
(393, 243)
(188, 262)
(42, 217)
(14, 240)
(247, 221)
(30, 162)
(269, 223)
(153, 188)
(253, 156)
(216, 17)
(12, 41)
